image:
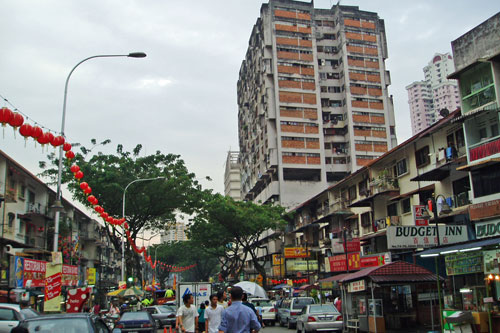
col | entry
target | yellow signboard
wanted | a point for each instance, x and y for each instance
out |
(296, 252)
(91, 276)
(278, 260)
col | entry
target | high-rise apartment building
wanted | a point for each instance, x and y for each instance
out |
(312, 98)
(175, 233)
(232, 176)
(427, 98)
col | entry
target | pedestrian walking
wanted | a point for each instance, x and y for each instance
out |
(201, 318)
(259, 310)
(187, 316)
(221, 298)
(238, 318)
(213, 315)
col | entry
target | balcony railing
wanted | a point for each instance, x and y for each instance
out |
(485, 149)
(383, 184)
(36, 208)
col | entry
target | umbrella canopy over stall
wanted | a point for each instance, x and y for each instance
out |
(133, 291)
(281, 286)
(252, 288)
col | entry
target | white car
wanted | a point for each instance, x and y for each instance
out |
(318, 318)
(268, 310)
(11, 315)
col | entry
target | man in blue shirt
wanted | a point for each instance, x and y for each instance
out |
(238, 318)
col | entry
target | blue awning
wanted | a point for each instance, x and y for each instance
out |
(460, 247)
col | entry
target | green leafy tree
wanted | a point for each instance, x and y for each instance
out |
(234, 228)
(150, 205)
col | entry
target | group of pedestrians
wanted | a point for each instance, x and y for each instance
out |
(218, 316)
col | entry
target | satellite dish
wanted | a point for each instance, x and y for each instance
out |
(444, 112)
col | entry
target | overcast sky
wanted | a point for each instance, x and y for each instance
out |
(182, 97)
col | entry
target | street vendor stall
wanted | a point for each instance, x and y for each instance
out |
(394, 296)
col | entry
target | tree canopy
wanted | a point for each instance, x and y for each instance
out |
(233, 229)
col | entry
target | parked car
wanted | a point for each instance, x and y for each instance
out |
(268, 310)
(11, 315)
(66, 323)
(291, 308)
(319, 317)
(140, 321)
(164, 315)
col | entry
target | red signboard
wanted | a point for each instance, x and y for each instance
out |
(372, 261)
(338, 263)
(69, 275)
(34, 270)
(296, 252)
(418, 212)
(352, 246)
(53, 286)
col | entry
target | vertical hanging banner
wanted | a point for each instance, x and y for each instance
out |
(53, 283)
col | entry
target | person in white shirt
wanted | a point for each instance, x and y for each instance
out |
(213, 315)
(187, 315)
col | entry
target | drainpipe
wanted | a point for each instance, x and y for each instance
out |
(4, 203)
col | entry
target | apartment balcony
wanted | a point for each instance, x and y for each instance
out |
(10, 195)
(340, 207)
(383, 184)
(484, 149)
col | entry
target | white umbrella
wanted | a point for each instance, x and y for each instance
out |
(252, 288)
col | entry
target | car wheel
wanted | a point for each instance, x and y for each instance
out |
(289, 325)
(273, 322)
(281, 322)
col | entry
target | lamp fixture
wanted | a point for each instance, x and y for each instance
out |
(447, 252)
(429, 255)
(471, 249)
(465, 290)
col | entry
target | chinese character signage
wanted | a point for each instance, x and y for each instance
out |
(352, 246)
(418, 212)
(356, 286)
(53, 284)
(69, 275)
(484, 209)
(411, 237)
(301, 265)
(91, 276)
(338, 263)
(463, 263)
(296, 252)
(29, 270)
(375, 261)
(491, 260)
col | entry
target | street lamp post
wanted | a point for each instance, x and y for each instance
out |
(445, 209)
(57, 204)
(123, 216)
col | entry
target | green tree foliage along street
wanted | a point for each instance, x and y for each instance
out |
(226, 228)
(150, 205)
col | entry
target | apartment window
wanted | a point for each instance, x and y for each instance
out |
(405, 205)
(363, 187)
(366, 220)
(400, 168)
(486, 181)
(352, 193)
(422, 157)
(459, 135)
(392, 209)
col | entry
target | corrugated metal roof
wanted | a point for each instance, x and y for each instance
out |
(404, 278)
(394, 271)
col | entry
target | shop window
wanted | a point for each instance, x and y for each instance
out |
(400, 168)
(406, 205)
(422, 157)
(486, 181)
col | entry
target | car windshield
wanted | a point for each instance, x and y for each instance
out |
(263, 302)
(322, 309)
(29, 313)
(166, 308)
(299, 303)
(58, 325)
(134, 316)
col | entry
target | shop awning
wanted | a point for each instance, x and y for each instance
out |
(366, 202)
(479, 165)
(394, 272)
(375, 234)
(461, 247)
(309, 287)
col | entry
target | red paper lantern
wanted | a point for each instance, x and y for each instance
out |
(109, 219)
(43, 139)
(104, 215)
(26, 130)
(36, 133)
(5, 116)
(67, 146)
(70, 155)
(79, 174)
(97, 208)
(91, 198)
(84, 185)
(88, 190)
(74, 168)
(58, 141)
(16, 120)
(49, 137)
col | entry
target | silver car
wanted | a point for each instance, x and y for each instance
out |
(291, 308)
(11, 315)
(319, 318)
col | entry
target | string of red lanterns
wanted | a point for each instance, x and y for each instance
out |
(16, 121)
